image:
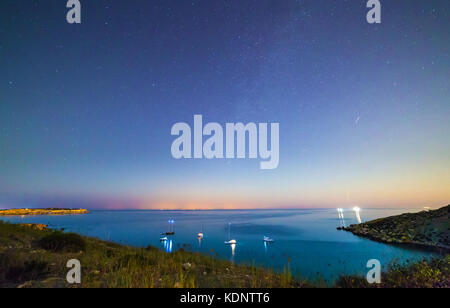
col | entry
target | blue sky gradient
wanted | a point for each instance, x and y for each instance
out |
(86, 110)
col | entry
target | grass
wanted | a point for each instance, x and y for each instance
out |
(37, 258)
(434, 273)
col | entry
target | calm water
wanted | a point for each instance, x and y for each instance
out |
(307, 237)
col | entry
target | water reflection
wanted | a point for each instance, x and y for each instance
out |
(341, 217)
(358, 218)
(168, 246)
(267, 242)
(233, 248)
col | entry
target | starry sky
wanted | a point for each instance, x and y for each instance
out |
(86, 110)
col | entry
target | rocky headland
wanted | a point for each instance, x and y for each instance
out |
(426, 229)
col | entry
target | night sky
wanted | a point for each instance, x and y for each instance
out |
(86, 109)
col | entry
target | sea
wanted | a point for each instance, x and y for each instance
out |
(305, 241)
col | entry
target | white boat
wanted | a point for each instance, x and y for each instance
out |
(200, 234)
(268, 239)
(230, 241)
(163, 239)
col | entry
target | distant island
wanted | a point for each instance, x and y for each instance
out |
(426, 229)
(49, 211)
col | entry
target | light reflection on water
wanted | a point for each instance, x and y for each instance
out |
(308, 238)
(233, 250)
(341, 217)
(167, 245)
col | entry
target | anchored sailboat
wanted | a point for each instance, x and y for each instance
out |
(200, 234)
(230, 241)
(171, 229)
(268, 239)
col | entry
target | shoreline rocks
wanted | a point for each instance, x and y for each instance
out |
(425, 230)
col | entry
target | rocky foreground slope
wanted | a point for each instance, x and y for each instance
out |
(426, 229)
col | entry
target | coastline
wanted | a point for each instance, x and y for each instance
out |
(33, 256)
(429, 230)
(49, 211)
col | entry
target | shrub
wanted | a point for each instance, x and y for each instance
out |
(17, 267)
(59, 241)
(29, 270)
(351, 281)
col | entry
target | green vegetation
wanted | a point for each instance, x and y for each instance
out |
(427, 229)
(424, 274)
(34, 256)
(62, 242)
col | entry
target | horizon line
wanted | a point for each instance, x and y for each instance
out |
(252, 209)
